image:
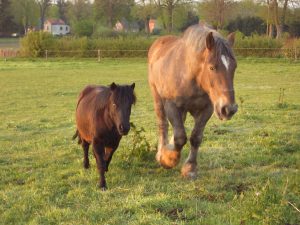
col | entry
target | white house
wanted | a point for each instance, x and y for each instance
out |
(56, 27)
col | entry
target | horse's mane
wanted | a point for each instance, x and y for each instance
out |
(195, 39)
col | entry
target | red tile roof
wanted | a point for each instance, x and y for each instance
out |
(55, 21)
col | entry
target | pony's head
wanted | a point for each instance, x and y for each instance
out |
(121, 99)
(217, 74)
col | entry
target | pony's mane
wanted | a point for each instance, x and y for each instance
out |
(195, 39)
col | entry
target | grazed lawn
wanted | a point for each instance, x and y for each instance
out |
(9, 43)
(248, 167)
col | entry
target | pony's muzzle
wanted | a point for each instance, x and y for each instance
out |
(123, 130)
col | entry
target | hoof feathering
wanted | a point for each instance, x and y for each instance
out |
(169, 157)
(189, 170)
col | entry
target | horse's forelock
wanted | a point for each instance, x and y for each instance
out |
(223, 49)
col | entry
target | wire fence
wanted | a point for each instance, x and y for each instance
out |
(98, 54)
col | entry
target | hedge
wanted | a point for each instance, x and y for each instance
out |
(35, 44)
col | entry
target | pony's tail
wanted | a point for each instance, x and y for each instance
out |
(77, 135)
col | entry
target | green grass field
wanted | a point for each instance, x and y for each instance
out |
(11, 43)
(248, 166)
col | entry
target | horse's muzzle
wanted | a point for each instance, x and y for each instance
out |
(226, 111)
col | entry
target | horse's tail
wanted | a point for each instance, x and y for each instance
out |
(77, 135)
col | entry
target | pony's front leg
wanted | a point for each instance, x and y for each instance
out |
(189, 169)
(108, 156)
(170, 153)
(99, 153)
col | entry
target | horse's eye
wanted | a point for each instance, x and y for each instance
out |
(212, 68)
(114, 105)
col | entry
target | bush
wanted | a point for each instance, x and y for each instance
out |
(83, 28)
(247, 25)
(34, 44)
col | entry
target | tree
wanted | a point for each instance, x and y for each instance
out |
(247, 25)
(169, 6)
(216, 11)
(43, 6)
(6, 19)
(144, 10)
(112, 10)
(62, 9)
(25, 14)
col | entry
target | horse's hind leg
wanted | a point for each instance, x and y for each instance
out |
(85, 145)
(189, 169)
(161, 120)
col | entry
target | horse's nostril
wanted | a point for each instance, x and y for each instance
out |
(224, 110)
(121, 127)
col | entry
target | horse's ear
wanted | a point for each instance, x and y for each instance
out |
(210, 41)
(230, 39)
(113, 86)
(132, 86)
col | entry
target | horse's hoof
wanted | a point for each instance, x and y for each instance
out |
(189, 170)
(103, 188)
(170, 157)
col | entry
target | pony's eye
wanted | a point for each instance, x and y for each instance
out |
(212, 68)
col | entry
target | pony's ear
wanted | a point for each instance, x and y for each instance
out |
(210, 41)
(132, 86)
(230, 39)
(113, 86)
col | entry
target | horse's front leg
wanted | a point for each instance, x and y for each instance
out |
(189, 169)
(161, 121)
(170, 154)
(99, 153)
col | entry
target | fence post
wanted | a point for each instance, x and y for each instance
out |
(46, 54)
(295, 53)
(98, 55)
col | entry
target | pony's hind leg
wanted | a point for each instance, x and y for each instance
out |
(162, 122)
(85, 145)
(189, 169)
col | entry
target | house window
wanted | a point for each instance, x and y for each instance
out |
(61, 28)
(66, 28)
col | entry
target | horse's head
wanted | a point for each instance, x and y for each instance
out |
(120, 102)
(218, 73)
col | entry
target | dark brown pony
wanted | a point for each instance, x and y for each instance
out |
(193, 73)
(102, 118)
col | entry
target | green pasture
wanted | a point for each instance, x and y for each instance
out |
(9, 43)
(248, 166)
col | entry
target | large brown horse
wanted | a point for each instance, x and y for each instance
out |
(193, 73)
(102, 118)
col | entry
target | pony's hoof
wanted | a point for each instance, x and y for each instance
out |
(102, 188)
(86, 165)
(170, 157)
(189, 170)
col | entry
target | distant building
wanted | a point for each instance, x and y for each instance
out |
(56, 27)
(124, 26)
(153, 24)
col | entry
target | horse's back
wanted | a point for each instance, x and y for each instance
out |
(161, 46)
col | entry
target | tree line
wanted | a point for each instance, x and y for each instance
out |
(273, 18)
